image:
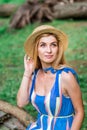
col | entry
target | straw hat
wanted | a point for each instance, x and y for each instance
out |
(30, 42)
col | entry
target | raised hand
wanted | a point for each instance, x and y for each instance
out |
(28, 65)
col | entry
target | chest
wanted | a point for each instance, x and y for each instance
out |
(44, 84)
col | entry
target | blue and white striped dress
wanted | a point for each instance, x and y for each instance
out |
(55, 111)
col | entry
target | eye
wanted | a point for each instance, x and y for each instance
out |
(54, 44)
(42, 44)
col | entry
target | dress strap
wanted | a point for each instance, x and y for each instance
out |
(57, 83)
(67, 69)
(33, 83)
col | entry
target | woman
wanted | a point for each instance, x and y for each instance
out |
(49, 84)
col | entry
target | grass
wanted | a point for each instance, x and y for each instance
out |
(12, 53)
(12, 1)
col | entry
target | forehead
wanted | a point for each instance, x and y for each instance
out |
(50, 38)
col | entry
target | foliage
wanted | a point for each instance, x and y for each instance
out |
(12, 53)
(12, 1)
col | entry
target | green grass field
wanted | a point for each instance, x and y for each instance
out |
(12, 54)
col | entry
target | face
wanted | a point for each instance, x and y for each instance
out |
(47, 50)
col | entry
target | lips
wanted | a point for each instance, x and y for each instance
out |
(48, 56)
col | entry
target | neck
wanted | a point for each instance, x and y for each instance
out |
(46, 66)
(50, 69)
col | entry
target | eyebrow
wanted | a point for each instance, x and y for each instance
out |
(45, 42)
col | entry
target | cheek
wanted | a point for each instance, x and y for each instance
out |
(56, 51)
(40, 52)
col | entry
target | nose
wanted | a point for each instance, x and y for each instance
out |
(49, 49)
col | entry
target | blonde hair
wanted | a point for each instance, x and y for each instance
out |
(59, 62)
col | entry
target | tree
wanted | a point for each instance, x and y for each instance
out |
(47, 10)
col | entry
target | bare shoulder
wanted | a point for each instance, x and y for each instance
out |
(69, 81)
(70, 85)
(68, 77)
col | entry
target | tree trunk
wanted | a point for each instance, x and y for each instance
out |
(20, 114)
(43, 11)
(6, 10)
(75, 10)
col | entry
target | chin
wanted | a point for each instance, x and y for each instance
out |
(49, 61)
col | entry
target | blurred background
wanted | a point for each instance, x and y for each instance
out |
(17, 20)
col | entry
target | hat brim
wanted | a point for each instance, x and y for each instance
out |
(30, 42)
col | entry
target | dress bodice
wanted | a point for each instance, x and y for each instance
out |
(54, 106)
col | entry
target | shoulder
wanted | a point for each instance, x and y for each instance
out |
(69, 75)
(69, 83)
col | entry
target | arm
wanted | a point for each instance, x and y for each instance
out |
(74, 92)
(23, 92)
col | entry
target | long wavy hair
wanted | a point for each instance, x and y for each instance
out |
(60, 60)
